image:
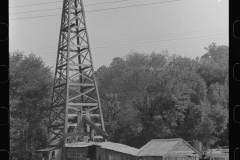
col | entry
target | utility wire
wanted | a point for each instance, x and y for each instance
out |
(144, 45)
(161, 36)
(152, 42)
(61, 8)
(155, 48)
(54, 55)
(105, 3)
(52, 58)
(117, 48)
(36, 4)
(62, 1)
(147, 47)
(35, 17)
(102, 9)
(133, 6)
(141, 49)
(142, 38)
(36, 11)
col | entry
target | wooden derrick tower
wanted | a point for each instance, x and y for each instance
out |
(76, 113)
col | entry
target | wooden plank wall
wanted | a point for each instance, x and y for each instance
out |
(103, 154)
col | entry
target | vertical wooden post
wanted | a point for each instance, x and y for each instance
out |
(88, 116)
(79, 120)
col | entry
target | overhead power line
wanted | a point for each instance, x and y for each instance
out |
(104, 9)
(36, 4)
(169, 47)
(133, 6)
(52, 54)
(62, 1)
(144, 38)
(167, 40)
(118, 41)
(61, 8)
(162, 35)
(146, 44)
(36, 11)
(155, 48)
(105, 3)
(35, 17)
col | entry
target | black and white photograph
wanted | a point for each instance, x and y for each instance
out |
(119, 79)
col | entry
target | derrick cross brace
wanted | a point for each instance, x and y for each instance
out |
(75, 94)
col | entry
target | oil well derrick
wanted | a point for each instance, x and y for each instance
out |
(76, 113)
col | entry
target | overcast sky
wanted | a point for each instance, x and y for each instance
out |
(182, 27)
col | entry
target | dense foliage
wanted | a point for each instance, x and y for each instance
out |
(30, 87)
(161, 96)
(144, 96)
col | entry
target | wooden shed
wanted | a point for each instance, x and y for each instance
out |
(168, 149)
(100, 151)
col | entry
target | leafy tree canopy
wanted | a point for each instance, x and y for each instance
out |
(148, 96)
(144, 96)
(30, 89)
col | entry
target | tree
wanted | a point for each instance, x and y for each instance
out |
(146, 96)
(30, 89)
(157, 88)
(214, 69)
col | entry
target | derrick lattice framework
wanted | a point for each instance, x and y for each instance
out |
(76, 113)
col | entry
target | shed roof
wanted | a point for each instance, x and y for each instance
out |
(106, 145)
(157, 147)
(118, 147)
(161, 147)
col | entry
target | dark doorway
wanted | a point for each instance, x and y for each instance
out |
(92, 152)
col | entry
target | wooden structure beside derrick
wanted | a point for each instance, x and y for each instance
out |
(156, 149)
(100, 151)
(168, 149)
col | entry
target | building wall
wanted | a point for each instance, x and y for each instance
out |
(149, 158)
(105, 154)
(99, 154)
(180, 152)
(182, 149)
(58, 154)
(181, 158)
(75, 153)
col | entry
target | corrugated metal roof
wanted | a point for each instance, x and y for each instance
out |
(118, 147)
(157, 147)
(106, 145)
(161, 147)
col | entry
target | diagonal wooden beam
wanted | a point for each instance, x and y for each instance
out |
(95, 127)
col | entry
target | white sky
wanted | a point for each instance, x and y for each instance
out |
(182, 27)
